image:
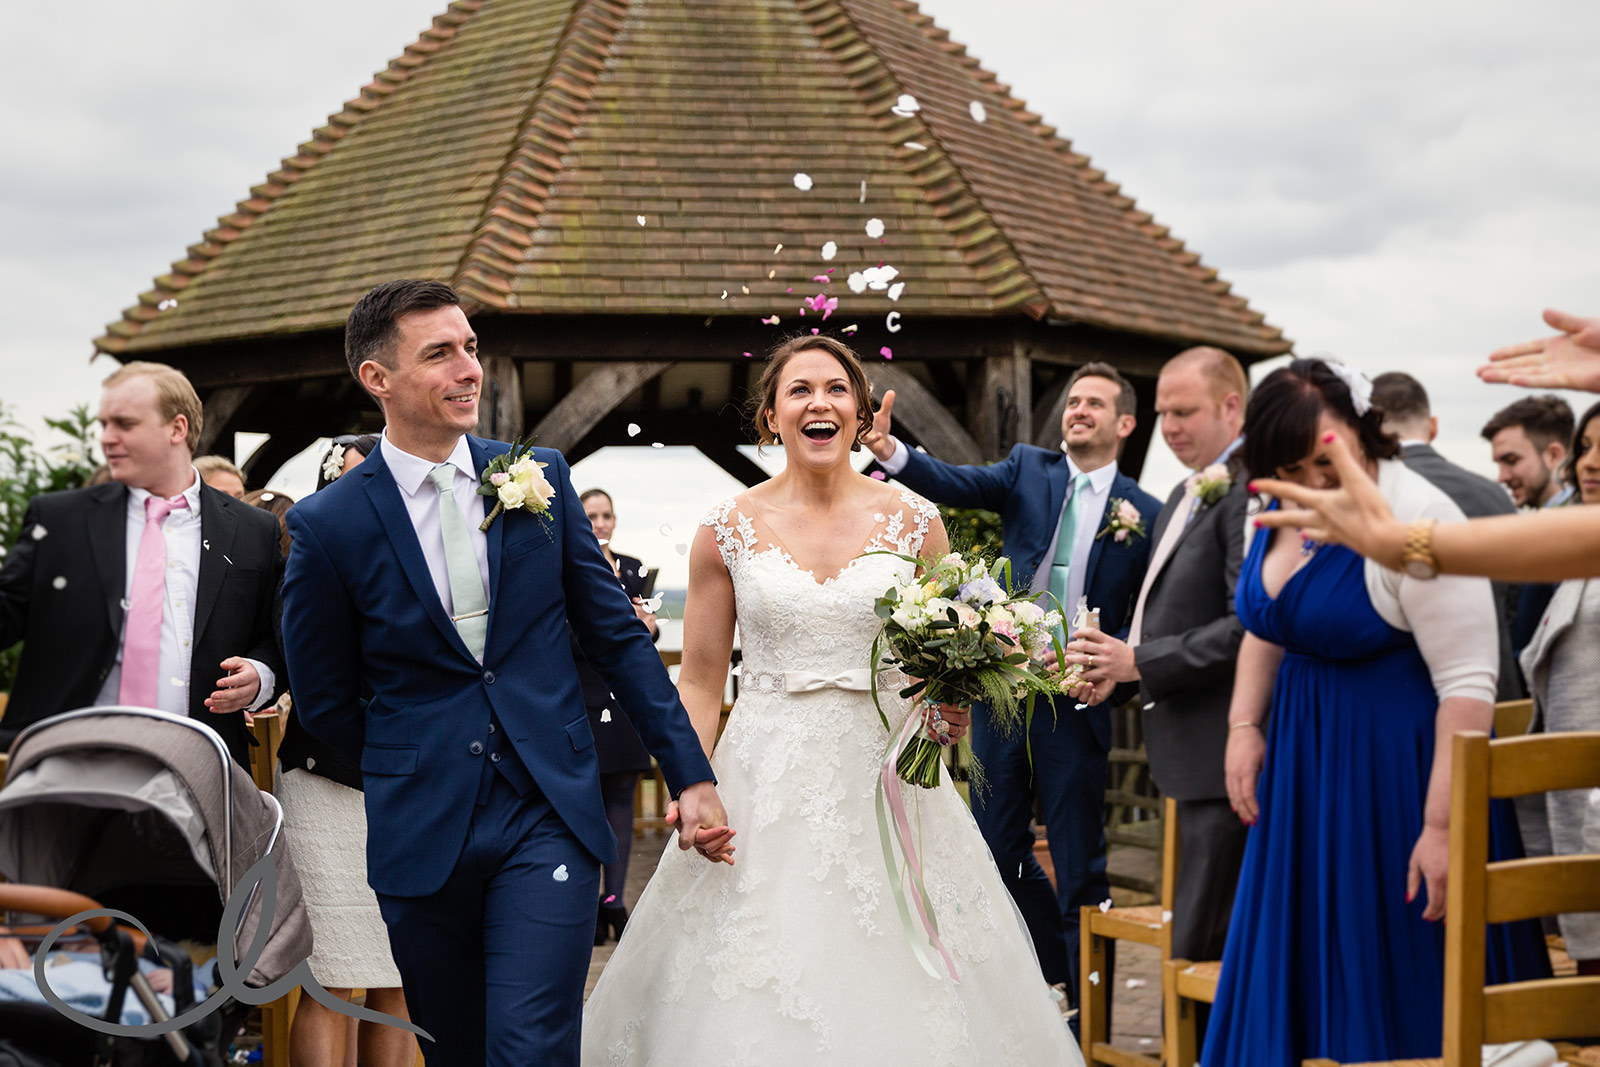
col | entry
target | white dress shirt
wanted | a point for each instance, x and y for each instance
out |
(184, 545)
(422, 504)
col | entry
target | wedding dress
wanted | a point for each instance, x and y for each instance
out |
(796, 954)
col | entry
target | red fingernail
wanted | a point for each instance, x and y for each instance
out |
(1328, 439)
(1251, 487)
(1256, 523)
(1411, 895)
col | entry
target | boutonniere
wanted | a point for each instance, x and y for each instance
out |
(515, 481)
(1123, 521)
(1210, 485)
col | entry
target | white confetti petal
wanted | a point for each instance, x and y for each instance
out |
(652, 605)
(604, 541)
(683, 550)
(978, 111)
(664, 529)
(605, 714)
(906, 106)
(916, 146)
(857, 282)
(863, 190)
(1143, 1040)
(874, 228)
(724, 294)
(640, 218)
(1105, 906)
(657, 444)
(830, 250)
(1166, 916)
(1137, 983)
(879, 277)
(775, 251)
(560, 873)
(1094, 977)
(633, 429)
(177, 683)
(892, 322)
(745, 289)
(126, 604)
(60, 582)
(802, 182)
(39, 532)
(896, 289)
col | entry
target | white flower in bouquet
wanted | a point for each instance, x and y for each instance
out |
(966, 615)
(511, 494)
(1028, 613)
(1002, 622)
(982, 592)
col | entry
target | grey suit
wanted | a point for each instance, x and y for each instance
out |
(1477, 497)
(1188, 643)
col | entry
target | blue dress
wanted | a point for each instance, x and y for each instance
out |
(1324, 956)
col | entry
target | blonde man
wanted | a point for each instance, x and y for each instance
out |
(220, 474)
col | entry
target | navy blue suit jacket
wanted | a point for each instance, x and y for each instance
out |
(1028, 489)
(360, 605)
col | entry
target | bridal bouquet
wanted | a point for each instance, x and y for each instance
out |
(962, 636)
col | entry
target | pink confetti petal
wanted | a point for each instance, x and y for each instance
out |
(882, 477)
(773, 321)
(747, 355)
(821, 279)
(885, 352)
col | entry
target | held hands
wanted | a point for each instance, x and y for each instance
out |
(702, 823)
(877, 439)
(237, 690)
(1091, 687)
(1241, 767)
(1430, 864)
(1354, 514)
(1569, 360)
(1102, 656)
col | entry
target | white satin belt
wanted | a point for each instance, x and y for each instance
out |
(859, 679)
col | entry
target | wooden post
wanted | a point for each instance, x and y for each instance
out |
(1003, 404)
(592, 399)
(220, 406)
(500, 401)
(1093, 980)
(925, 418)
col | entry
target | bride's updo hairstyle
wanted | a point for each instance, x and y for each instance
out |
(765, 398)
(1280, 423)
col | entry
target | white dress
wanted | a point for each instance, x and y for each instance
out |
(796, 954)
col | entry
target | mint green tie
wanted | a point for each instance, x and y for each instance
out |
(466, 581)
(1061, 566)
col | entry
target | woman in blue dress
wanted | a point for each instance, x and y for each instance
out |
(1350, 682)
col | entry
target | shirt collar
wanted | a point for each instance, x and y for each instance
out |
(1410, 443)
(1227, 453)
(1100, 478)
(137, 496)
(410, 472)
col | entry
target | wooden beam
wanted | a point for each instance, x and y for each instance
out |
(736, 463)
(924, 418)
(1048, 411)
(1004, 400)
(591, 400)
(218, 410)
(500, 412)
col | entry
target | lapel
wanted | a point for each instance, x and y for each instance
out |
(1158, 530)
(1558, 618)
(378, 481)
(482, 453)
(1055, 484)
(218, 525)
(107, 521)
(1120, 486)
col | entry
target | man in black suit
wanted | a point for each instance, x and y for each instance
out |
(1408, 415)
(1185, 637)
(153, 590)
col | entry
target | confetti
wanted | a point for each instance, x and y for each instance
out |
(167, 304)
(268, 496)
(877, 278)
(39, 532)
(724, 294)
(1105, 906)
(886, 352)
(874, 228)
(852, 328)
(916, 146)
(822, 279)
(605, 541)
(176, 683)
(59, 583)
(560, 873)
(830, 250)
(771, 274)
(749, 355)
(815, 331)
(633, 429)
(822, 302)
(664, 529)
(906, 106)
(127, 604)
(880, 476)
(978, 111)
(891, 322)
(802, 182)
(863, 190)
(896, 289)
(770, 321)
(1094, 977)
(683, 550)
(1136, 983)
(775, 251)
(657, 444)
(746, 289)
(1166, 916)
(640, 218)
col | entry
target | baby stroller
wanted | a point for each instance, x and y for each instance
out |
(145, 812)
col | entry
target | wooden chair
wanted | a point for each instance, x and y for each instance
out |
(1511, 717)
(1148, 924)
(1481, 892)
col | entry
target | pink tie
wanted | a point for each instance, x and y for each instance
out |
(1158, 559)
(141, 631)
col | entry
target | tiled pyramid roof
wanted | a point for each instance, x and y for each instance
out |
(582, 156)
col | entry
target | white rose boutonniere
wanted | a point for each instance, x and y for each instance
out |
(1210, 485)
(516, 482)
(1123, 522)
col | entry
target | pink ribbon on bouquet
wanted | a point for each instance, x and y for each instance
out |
(889, 795)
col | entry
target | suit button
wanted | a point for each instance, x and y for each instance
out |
(488, 677)
(494, 757)
(491, 728)
(476, 748)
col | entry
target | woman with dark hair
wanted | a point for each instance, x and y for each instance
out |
(276, 502)
(1334, 949)
(1562, 663)
(622, 754)
(323, 808)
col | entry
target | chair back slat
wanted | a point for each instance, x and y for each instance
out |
(1464, 942)
(1551, 1007)
(1169, 853)
(1541, 763)
(1512, 718)
(1543, 885)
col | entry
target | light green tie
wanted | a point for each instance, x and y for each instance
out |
(1061, 566)
(466, 581)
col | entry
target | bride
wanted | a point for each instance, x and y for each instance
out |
(793, 950)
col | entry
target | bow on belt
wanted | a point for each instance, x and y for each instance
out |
(810, 681)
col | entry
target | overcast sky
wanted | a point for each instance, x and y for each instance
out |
(1401, 185)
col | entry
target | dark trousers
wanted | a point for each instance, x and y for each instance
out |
(1210, 851)
(494, 963)
(1068, 778)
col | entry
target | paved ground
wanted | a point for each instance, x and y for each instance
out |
(1136, 1011)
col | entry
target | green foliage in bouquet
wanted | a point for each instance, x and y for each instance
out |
(962, 636)
(973, 530)
(26, 470)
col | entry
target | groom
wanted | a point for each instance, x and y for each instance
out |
(485, 828)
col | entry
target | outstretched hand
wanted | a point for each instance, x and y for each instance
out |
(702, 823)
(1569, 360)
(1355, 514)
(877, 439)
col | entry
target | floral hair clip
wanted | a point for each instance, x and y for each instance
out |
(1359, 384)
(333, 464)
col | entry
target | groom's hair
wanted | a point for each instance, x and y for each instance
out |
(369, 331)
(765, 398)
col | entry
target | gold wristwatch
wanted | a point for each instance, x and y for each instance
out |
(1417, 559)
